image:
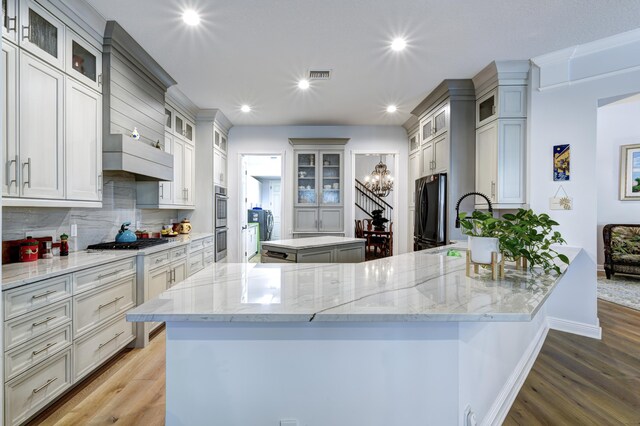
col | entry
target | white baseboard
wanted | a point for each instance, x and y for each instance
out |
(579, 328)
(501, 406)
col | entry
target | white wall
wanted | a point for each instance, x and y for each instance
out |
(618, 124)
(566, 111)
(275, 140)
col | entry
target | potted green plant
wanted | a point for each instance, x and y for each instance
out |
(483, 231)
(530, 236)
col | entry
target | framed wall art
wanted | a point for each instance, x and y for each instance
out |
(561, 162)
(630, 172)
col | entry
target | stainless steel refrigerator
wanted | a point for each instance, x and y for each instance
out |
(430, 227)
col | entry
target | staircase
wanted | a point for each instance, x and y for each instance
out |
(368, 201)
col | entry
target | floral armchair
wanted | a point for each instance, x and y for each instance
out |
(621, 249)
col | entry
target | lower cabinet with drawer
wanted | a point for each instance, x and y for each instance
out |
(28, 393)
(59, 330)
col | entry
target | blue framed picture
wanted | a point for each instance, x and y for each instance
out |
(561, 162)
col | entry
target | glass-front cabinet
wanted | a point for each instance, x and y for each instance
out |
(41, 33)
(10, 20)
(331, 176)
(83, 61)
(306, 178)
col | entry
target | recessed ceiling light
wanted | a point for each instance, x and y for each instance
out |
(398, 44)
(391, 108)
(245, 108)
(191, 17)
(303, 84)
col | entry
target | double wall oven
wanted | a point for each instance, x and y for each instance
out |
(221, 200)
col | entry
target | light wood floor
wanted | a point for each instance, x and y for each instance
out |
(574, 381)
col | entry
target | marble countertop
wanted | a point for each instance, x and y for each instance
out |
(419, 286)
(17, 274)
(311, 242)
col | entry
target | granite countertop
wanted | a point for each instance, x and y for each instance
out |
(17, 274)
(311, 242)
(419, 286)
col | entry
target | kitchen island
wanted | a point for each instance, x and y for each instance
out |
(326, 249)
(402, 340)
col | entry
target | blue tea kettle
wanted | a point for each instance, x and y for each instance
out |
(125, 235)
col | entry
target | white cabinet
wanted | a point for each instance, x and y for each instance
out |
(441, 154)
(188, 171)
(184, 157)
(434, 149)
(42, 145)
(440, 120)
(10, 20)
(219, 139)
(306, 219)
(500, 163)
(414, 142)
(219, 168)
(41, 33)
(184, 128)
(83, 136)
(501, 102)
(426, 153)
(331, 220)
(166, 188)
(10, 183)
(426, 128)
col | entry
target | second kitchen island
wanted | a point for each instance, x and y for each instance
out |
(326, 249)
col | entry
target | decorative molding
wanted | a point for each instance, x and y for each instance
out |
(455, 89)
(180, 101)
(116, 37)
(216, 116)
(81, 17)
(411, 124)
(502, 404)
(581, 63)
(579, 328)
(501, 73)
(318, 141)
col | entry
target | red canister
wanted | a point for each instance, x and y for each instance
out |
(29, 250)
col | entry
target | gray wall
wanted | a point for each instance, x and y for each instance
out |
(94, 225)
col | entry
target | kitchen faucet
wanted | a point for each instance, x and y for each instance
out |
(465, 196)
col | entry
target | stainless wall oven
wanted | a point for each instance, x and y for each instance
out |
(221, 243)
(221, 206)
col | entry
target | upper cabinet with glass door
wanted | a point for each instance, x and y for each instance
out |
(183, 128)
(306, 182)
(440, 120)
(83, 61)
(10, 20)
(219, 140)
(331, 176)
(41, 33)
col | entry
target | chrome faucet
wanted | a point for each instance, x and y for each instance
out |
(465, 196)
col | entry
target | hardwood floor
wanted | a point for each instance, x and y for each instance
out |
(574, 381)
(581, 381)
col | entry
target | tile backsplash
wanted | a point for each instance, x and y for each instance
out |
(94, 225)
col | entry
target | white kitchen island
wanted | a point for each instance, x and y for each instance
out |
(405, 340)
(323, 249)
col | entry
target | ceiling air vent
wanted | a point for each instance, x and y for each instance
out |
(319, 74)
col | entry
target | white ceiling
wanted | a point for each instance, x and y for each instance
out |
(254, 51)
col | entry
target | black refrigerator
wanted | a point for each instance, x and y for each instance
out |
(430, 226)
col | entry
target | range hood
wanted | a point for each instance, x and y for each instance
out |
(133, 96)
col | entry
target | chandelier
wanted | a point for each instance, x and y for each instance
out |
(380, 181)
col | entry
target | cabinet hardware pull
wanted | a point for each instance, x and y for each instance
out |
(159, 260)
(99, 79)
(101, 345)
(46, 293)
(493, 189)
(25, 37)
(9, 180)
(117, 271)
(111, 303)
(169, 279)
(162, 191)
(36, 390)
(43, 349)
(28, 164)
(9, 21)
(46, 320)
(493, 109)
(194, 264)
(100, 183)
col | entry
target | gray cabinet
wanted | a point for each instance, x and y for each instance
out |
(318, 187)
(320, 255)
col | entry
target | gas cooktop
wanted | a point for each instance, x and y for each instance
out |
(136, 245)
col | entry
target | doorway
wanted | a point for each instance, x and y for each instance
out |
(260, 202)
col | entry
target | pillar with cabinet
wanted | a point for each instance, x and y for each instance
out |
(318, 207)
(501, 123)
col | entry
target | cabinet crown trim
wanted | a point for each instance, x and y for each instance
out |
(455, 89)
(320, 141)
(502, 73)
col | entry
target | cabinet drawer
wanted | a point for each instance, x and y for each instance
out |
(30, 297)
(98, 306)
(196, 262)
(196, 245)
(209, 260)
(32, 325)
(26, 356)
(207, 242)
(157, 259)
(179, 253)
(29, 392)
(208, 252)
(96, 277)
(92, 350)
